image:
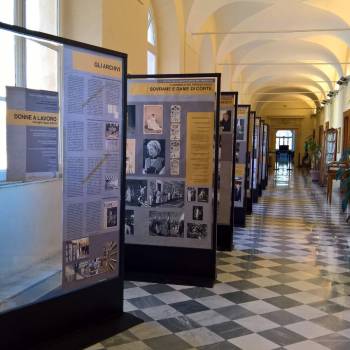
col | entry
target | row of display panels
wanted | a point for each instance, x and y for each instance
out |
(163, 133)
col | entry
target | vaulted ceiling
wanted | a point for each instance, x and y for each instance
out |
(256, 63)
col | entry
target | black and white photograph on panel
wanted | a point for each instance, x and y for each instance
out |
(166, 193)
(175, 113)
(197, 213)
(175, 131)
(77, 249)
(166, 224)
(174, 149)
(111, 130)
(240, 131)
(174, 167)
(130, 156)
(153, 119)
(111, 182)
(197, 231)
(238, 189)
(131, 120)
(225, 121)
(111, 214)
(129, 222)
(203, 194)
(237, 151)
(136, 193)
(154, 156)
(191, 194)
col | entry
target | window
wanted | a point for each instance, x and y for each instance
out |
(285, 138)
(24, 57)
(152, 42)
(151, 33)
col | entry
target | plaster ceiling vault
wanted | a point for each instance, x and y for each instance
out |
(248, 61)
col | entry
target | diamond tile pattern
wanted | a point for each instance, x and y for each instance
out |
(285, 286)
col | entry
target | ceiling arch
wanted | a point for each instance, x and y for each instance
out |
(225, 16)
(255, 73)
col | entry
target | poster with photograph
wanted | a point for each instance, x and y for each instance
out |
(93, 119)
(154, 156)
(32, 123)
(226, 120)
(228, 107)
(153, 119)
(171, 184)
(240, 131)
(241, 159)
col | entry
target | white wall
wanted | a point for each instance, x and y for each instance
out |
(31, 228)
(333, 113)
(81, 20)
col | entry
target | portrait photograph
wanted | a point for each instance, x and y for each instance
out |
(154, 157)
(240, 129)
(238, 191)
(197, 213)
(191, 194)
(225, 121)
(203, 194)
(111, 214)
(153, 119)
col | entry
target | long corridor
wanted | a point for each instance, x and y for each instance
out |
(285, 286)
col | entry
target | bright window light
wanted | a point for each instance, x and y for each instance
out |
(151, 63)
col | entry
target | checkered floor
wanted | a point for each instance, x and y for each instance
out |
(285, 286)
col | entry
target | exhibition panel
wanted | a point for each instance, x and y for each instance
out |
(256, 166)
(65, 173)
(171, 189)
(249, 208)
(260, 155)
(265, 155)
(241, 164)
(228, 110)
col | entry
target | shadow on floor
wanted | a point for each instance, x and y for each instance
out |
(91, 333)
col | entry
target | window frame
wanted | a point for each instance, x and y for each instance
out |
(152, 48)
(290, 139)
(20, 56)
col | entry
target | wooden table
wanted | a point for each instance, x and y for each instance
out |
(331, 173)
